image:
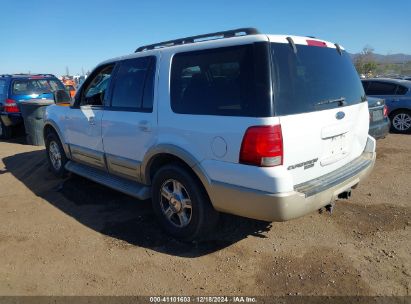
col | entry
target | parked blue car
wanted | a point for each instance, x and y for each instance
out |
(22, 87)
(397, 96)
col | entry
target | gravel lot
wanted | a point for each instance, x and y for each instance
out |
(75, 237)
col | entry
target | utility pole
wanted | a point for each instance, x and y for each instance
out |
(67, 71)
(82, 71)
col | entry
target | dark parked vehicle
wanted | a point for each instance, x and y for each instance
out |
(18, 88)
(397, 96)
(379, 122)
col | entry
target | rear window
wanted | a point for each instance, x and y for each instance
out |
(229, 81)
(313, 79)
(36, 86)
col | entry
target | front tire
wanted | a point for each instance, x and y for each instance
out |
(401, 121)
(55, 155)
(181, 204)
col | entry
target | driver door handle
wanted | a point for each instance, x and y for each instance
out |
(91, 121)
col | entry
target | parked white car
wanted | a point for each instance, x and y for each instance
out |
(269, 127)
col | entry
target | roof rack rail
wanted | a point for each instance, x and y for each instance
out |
(192, 39)
(44, 74)
(33, 74)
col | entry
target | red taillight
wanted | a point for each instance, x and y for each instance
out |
(11, 106)
(385, 111)
(316, 43)
(262, 146)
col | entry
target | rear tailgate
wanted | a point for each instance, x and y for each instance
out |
(321, 104)
(321, 143)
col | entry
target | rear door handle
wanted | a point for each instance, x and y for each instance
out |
(144, 126)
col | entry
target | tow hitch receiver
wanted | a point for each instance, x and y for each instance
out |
(330, 207)
(345, 194)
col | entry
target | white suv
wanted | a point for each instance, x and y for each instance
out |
(263, 126)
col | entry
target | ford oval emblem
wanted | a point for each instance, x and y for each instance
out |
(340, 115)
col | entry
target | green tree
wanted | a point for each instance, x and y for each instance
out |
(364, 62)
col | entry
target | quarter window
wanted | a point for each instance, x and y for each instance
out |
(401, 90)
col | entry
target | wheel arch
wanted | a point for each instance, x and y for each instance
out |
(51, 126)
(167, 153)
(396, 110)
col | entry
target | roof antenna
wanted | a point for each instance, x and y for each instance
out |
(338, 48)
(292, 44)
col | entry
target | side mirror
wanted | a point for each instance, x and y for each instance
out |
(61, 96)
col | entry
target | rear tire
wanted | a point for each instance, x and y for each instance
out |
(56, 156)
(401, 121)
(5, 132)
(181, 204)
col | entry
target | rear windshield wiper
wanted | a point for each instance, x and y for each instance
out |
(341, 101)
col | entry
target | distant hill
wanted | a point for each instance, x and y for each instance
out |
(392, 58)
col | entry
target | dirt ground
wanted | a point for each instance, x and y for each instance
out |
(75, 237)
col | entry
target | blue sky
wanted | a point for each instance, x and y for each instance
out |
(48, 35)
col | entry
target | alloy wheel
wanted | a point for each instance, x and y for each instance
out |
(55, 155)
(175, 203)
(402, 121)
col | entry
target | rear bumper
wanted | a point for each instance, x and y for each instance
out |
(305, 198)
(380, 129)
(11, 119)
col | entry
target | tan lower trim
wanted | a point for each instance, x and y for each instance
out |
(276, 207)
(88, 157)
(123, 167)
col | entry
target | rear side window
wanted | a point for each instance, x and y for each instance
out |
(133, 88)
(381, 88)
(227, 81)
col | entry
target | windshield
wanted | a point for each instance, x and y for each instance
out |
(313, 79)
(36, 86)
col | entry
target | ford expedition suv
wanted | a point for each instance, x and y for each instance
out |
(268, 127)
